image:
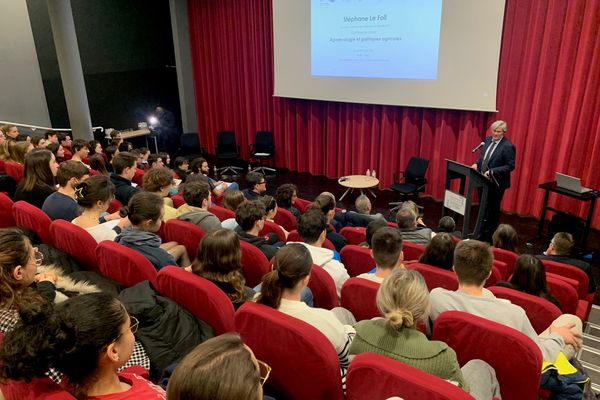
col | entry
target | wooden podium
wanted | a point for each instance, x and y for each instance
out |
(460, 203)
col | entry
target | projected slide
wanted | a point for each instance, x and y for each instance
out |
(375, 38)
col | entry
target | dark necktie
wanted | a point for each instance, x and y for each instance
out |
(484, 165)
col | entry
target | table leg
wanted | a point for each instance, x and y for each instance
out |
(588, 223)
(344, 195)
(374, 195)
(543, 214)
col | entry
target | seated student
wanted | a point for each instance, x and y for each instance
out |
(199, 166)
(386, 250)
(325, 202)
(312, 227)
(17, 151)
(124, 170)
(411, 205)
(404, 300)
(38, 142)
(166, 158)
(116, 137)
(64, 139)
(407, 224)
(373, 227)
(505, 237)
(205, 373)
(145, 211)
(282, 288)
(257, 186)
(250, 217)
(560, 249)
(10, 131)
(98, 164)
(111, 152)
(285, 196)
(219, 260)
(38, 178)
(51, 137)
(62, 204)
(448, 225)
(95, 148)
(87, 338)
(57, 150)
(160, 181)
(181, 166)
(125, 146)
(530, 277)
(145, 153)
(80, 151)
(94, 196)
(231, 200)
(362, 216)
(439, 252)
(197, 198)
(271, 210)
(155, 161)
(473, 265)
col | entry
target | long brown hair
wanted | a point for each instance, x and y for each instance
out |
(37, 170)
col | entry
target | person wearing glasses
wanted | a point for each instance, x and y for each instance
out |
(88, 338)
(257, 186)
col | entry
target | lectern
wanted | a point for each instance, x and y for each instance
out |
(470, 180)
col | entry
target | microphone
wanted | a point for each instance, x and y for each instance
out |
(480, 145)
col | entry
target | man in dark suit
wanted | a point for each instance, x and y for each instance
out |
(496, 162)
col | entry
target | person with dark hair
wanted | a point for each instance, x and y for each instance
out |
(257, 185)
(285, 196)
(95, 147)
(250, 217)
(166, 158)
(312, 227)
(87, 338)
(195, 210)
(440, 251)
(325, 202)
(125, 146)
(38, 179)
(51, 136)
(281, 289)
(10, 131)
(473, 265)
(505, 237)
(38, 142)
(271, 211)
(23, 137)
(205, 373)
(64, 139)
(145, 211)
(116, 137)
(155, 161)
(180, 167)
(448, 225)
(199, 166)
(124, 165)
(386, 250)
(166, 128)
(373, 227)
(560, 249)
(62, 204)
(80, 151)
(98, 164)
(160, 181)
(111, 152)
(407, 224)
(231, 200)
(17, 151)
(219, 260)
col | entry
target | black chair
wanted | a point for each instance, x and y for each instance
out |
(227, 149)
(190, 145)
(414, 180)
(262, 149)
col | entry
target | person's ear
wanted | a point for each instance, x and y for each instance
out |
(306, 280)
(371, 253)
(112, 353)
(401, 255)
(17, 273)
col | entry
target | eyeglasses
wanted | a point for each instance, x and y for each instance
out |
(38, 257)
(133, 327)
(260, 183)
(265, 371)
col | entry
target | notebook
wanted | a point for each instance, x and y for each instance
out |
(570, 183)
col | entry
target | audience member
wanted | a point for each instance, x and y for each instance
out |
(373, 227)
(98, 164)
(64, 139)
(125, 146)
(448, 225)
(197, 198)
(117, 137)
(23, 137)
(38, 178)
(403, 299)
(407, 224)
(111, 152)
(166, 158)
(250, 217)
(10, 131)
(271, 210)
(160, 181)
(473, 265)
(560, 249)
(257, 186)
(199, 166)
(181, 166)
(124, 170)
(440, 251)
(364, 207)
(411, 205)
(38, 142)
(51, 136)
(285, 195)
(505, 237)
(17, 151)
(155, 161)
(325, 202)
(57, 150)
(219, 260)
(386, 250)
(231, 200)
(62, 204)
(95, 147)
(80, 151)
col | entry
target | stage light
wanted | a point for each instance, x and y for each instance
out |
(153, 120)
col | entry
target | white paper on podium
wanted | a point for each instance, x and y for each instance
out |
(455, 202)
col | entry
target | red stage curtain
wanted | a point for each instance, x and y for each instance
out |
(548, 92)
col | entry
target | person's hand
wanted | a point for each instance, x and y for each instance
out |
(570, 337)
(487, 174)
(47, 276)
(474, 166)
(112, 216)
(124, 222)
(420, 221)
(188, 268)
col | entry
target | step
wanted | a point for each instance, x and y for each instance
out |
(594, 315)
(595, 388)
(590, 356)
(592, 329)
(591, 341)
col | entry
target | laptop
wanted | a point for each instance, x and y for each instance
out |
(570, 183)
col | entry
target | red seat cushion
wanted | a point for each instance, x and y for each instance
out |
(358, 296)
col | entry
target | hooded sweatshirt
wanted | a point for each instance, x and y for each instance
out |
(207, 221)
(146, 243)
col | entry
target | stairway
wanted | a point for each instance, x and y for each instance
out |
(589, 355)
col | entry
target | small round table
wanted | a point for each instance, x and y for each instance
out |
(358, 182)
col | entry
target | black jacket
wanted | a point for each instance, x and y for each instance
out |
(123, 188)
(502, 161)
(267, 244)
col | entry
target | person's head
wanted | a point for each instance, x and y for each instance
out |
(505, 237)
(362, 204)
(18, 151)
(219, 259)
(439, 251)
(311, 227)
(38, 142)
(256, 182)
(166, 158)
(158, 180)
(270, 206)
(116, 136)
(250, 215)
(446, 224)
(51, 136)
(145, 211)
(199, 166)
(95, 147)
(232, 199)
(56, 149)
(291, 271)
(181, 163)
(10, 131)
(411, 205)
(386, 247)
(23, 137)
(325, 202)
(159, 109)
(124, 164)
(286, 194)
(80, 148)
(406, 218)
(155, 161)
(403, 299)
(472, 262)
(206, 372)
(498, 129)
(197, 194)
(96, 192)
(70, 173)
(125, 146)
(64, 139)
(111, 151)
(97, 163)
(40, 168)
(83, 337)
(529, 275)
(561, 244)
(145, 153)
(373, 227)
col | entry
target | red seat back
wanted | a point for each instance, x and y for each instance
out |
(516, 358)
(114, 206)
(412, 251)
(373, 376)
(254, 264)
(31, 217)
(197, 295)
(358, 296)
(357, 259)
(76, 242)
(323, 288)
(294, 236)
(569, 271)
(14, 170)
(221, 212)
(138, 177)
(540, 311)
(272, 227)
(495, 276)
(507, 257)
(2, 167)
(354, 235)
(285, 219)
(305, 364)
(302, 205)
(564, 292)
(435, 277)
(124, 265)
(6, 212)
(178, 200)
(503, 270)
(184, 233)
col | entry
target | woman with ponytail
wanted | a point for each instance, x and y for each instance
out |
(87, 338)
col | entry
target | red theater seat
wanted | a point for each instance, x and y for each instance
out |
(507, 257)
(184, 233)
(354, 235)
(358, 296)
(323, 288)
(357, 259)
(412, 251)
(285, 219)
(6, 212)
(124, 265)
(221, 212)
(31, 217)
(254, 264)
(76, 242)
(272, 227)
